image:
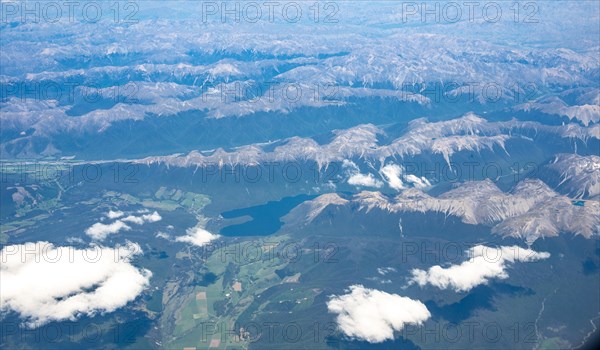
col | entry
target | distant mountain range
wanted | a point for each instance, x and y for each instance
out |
(530, 211)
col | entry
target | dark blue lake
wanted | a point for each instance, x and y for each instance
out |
(265, 217)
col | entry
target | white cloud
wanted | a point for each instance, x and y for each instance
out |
(45, 283)
(385, 270)
(373, 315)
(75, 240)
(367, 180)
(396, 179)
(197, 236)
(99, 231)
(114, 214)
(418, 182)
(163, 235)
(140, 220)
(356, 178)
(485, 263)
(154, 217)
(392, 173)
